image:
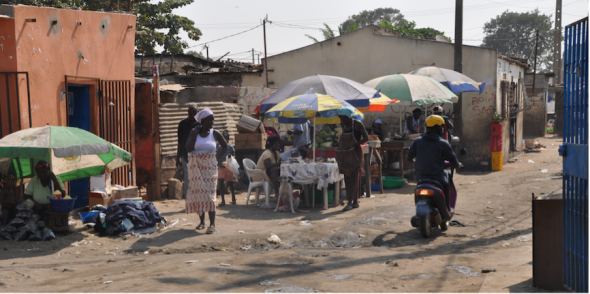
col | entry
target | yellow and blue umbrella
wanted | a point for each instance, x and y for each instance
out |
(318, 108)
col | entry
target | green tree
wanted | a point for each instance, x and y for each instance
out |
(409, 30)
(156, 24)
(513, 34)
(329, 33)
(369, 17)
(196, 54)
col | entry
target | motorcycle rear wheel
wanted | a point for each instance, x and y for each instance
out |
(425, 226)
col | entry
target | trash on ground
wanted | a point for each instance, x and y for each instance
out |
(192, 261)
(544, 171)
(224, 264)
(464, 270)
(456, 223)
(241, 232)
(107, 282)
(530, 161)
(274, 239)
(304, 223)
(506, 244)
(523, 239)
(485, 271)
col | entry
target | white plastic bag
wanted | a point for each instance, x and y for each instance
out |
(232, 164)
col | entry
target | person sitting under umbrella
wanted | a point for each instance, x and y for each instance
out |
(376, 129)
(270, 163)
(42, 186)
(413, 122)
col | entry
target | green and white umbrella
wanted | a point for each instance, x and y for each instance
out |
(73, 153)
(410, 89)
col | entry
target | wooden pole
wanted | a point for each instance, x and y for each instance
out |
(265, 56)
(156, 131)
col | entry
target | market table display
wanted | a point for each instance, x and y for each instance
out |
(401, 147)
(321, 174)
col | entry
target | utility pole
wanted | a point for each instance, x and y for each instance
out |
(265, 56)
(535, 62)
(458, 66)
(207, 55)
(253, 57)
(258, 58)
(557, 45)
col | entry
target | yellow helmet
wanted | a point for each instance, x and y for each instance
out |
(435, 120)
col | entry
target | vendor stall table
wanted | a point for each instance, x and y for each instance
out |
(321, 174)
(401, 147)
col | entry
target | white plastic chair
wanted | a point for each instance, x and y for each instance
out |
(251, 170)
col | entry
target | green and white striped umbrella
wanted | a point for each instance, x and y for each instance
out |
(410, 89)
(73, 153)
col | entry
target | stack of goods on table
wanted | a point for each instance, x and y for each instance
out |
(325, 142)
(26, 225)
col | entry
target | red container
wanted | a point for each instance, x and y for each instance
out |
(496, 129)
(496, 143)
(324, 152)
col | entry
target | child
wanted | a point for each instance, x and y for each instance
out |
(8, 200)
(224, 175)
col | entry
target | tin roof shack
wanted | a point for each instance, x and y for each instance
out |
(511, 90)
(183, 63)
(372, 52)
(56, 64)
(535, 113)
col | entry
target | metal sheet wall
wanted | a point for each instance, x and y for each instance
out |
(575, 157)
(117, 124)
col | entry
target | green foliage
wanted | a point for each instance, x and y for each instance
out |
(513, 34)
(409, 30)
(375, 17)
(196, 54)
(329, 33)
(152, 19)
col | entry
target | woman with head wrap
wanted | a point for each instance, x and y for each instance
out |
(349, 155)
(270, 162)
(202, 166)
(42, 186)
(376, 129)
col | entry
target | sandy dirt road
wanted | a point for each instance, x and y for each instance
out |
(370, 249)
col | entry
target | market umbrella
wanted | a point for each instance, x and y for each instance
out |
(410, 89)
(378, 104)
(356, 94)
(72, 152)
(319, 108)
(455, 81)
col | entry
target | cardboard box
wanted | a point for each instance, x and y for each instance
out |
(248, 125)
(97, 199)
(251, 141)
(129, 192)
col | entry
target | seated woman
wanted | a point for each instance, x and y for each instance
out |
(42, 186)
(270, 162)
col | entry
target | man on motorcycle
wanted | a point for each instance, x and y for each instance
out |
(431, 152)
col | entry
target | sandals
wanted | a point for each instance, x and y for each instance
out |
(210, 230)
(347, 208)
(233, 203)
(200, 227)
(356, 205)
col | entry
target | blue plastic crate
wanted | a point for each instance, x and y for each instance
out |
(62, 205)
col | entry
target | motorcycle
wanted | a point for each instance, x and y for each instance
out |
(434, 207)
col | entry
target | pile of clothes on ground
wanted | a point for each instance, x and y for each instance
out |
(124, 217)
(26, 225)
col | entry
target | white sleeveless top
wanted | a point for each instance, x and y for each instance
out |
(205, 145)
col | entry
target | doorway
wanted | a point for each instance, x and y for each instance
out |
(79, 117)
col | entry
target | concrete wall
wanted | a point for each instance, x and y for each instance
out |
(364, 55)
(49, 52)
(535, 118)
(510, 74)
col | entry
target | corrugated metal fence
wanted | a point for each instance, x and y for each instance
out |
(575, 157)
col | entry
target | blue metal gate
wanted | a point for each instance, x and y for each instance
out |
(575, 157)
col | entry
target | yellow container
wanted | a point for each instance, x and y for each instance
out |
(497, 159)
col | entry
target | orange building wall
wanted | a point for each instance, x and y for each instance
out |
(50, 52)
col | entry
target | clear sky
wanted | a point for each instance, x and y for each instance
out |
(293, 19)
